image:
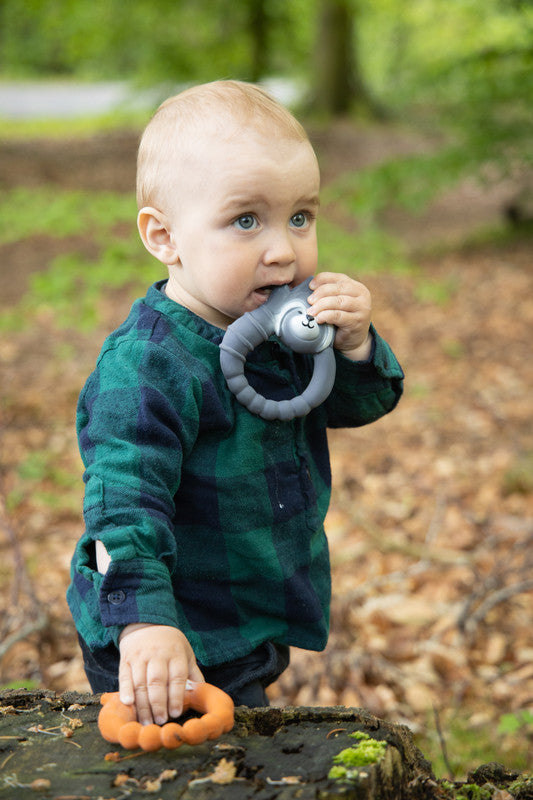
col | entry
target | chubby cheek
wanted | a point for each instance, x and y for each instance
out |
(307, 260)
(229, 295)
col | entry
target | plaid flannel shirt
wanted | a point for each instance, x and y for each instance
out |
(213, 517)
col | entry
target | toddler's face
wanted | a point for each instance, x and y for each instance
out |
(244, 220)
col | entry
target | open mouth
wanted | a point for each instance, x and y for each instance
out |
(265, 290)
(262, 293)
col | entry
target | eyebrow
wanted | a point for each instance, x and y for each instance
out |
(314, 200)
(250, 200)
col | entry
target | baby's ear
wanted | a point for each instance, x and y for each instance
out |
(156, 235)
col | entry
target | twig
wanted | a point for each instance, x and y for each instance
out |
(421, 551)
(442, 742)
(39, 618)
(26, 630)
(470, 623)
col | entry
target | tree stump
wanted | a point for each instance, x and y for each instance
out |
(50, 748)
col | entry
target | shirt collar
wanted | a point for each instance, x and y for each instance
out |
(157, 299)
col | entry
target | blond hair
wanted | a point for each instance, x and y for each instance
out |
(205, 108)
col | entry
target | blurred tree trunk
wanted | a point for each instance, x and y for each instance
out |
(338, 86)
(258, 25)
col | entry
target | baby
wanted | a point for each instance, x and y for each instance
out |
(204, 554)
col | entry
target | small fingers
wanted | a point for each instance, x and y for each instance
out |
(341, 295)
(149, 685)
(142, 701)
(341, 310)
(154, 666)
(180, 670)
(335, 283)
(125, 683)
(157, 681)
(177, 678)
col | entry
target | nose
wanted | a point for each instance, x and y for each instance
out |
(279, 250)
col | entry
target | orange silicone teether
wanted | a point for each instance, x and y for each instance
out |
(118, 722)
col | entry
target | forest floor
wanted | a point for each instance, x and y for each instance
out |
(431, 521)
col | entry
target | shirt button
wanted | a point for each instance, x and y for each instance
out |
(117, 597)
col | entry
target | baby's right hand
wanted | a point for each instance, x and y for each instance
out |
(155, 663)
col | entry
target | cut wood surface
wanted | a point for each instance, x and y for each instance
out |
(50, 748)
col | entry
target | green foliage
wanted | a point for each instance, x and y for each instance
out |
(83, 127)
(471, 791)
(151, 40)
(436, 292)
(518, 721)
(468, 746)
(27, 683)
(522, 788)
(28, 211)
(366, 251)
(437, 66)
(518, 479)
(40, 477)
(73, 287)
(467, 86)
(431, 63)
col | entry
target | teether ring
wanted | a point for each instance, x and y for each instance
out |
(118, 722)
(284, 314)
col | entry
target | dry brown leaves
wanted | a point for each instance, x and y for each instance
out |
(431, 522)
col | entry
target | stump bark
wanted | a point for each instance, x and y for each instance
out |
(50, 748)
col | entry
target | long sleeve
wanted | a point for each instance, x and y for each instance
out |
(365, 391)
(136, 420)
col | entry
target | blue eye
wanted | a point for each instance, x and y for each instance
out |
(300, 220)
(246, 222)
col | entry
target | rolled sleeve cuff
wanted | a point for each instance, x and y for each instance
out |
(136, 591)
(381, 360)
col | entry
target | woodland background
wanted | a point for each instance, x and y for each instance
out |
(420, 113)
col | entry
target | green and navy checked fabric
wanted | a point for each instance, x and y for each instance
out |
(212, 516)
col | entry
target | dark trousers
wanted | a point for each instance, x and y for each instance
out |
(244, 679)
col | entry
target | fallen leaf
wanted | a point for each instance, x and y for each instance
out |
(223, 773)
(40, 785)
(121, 779)
(501, 794)
(168, 775)
(152, 785)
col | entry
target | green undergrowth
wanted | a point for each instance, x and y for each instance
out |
(77, 127)
(61, 213)
(461, 746)
(46, 482)
(71, 288)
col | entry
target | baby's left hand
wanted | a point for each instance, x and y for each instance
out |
(341, 301)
